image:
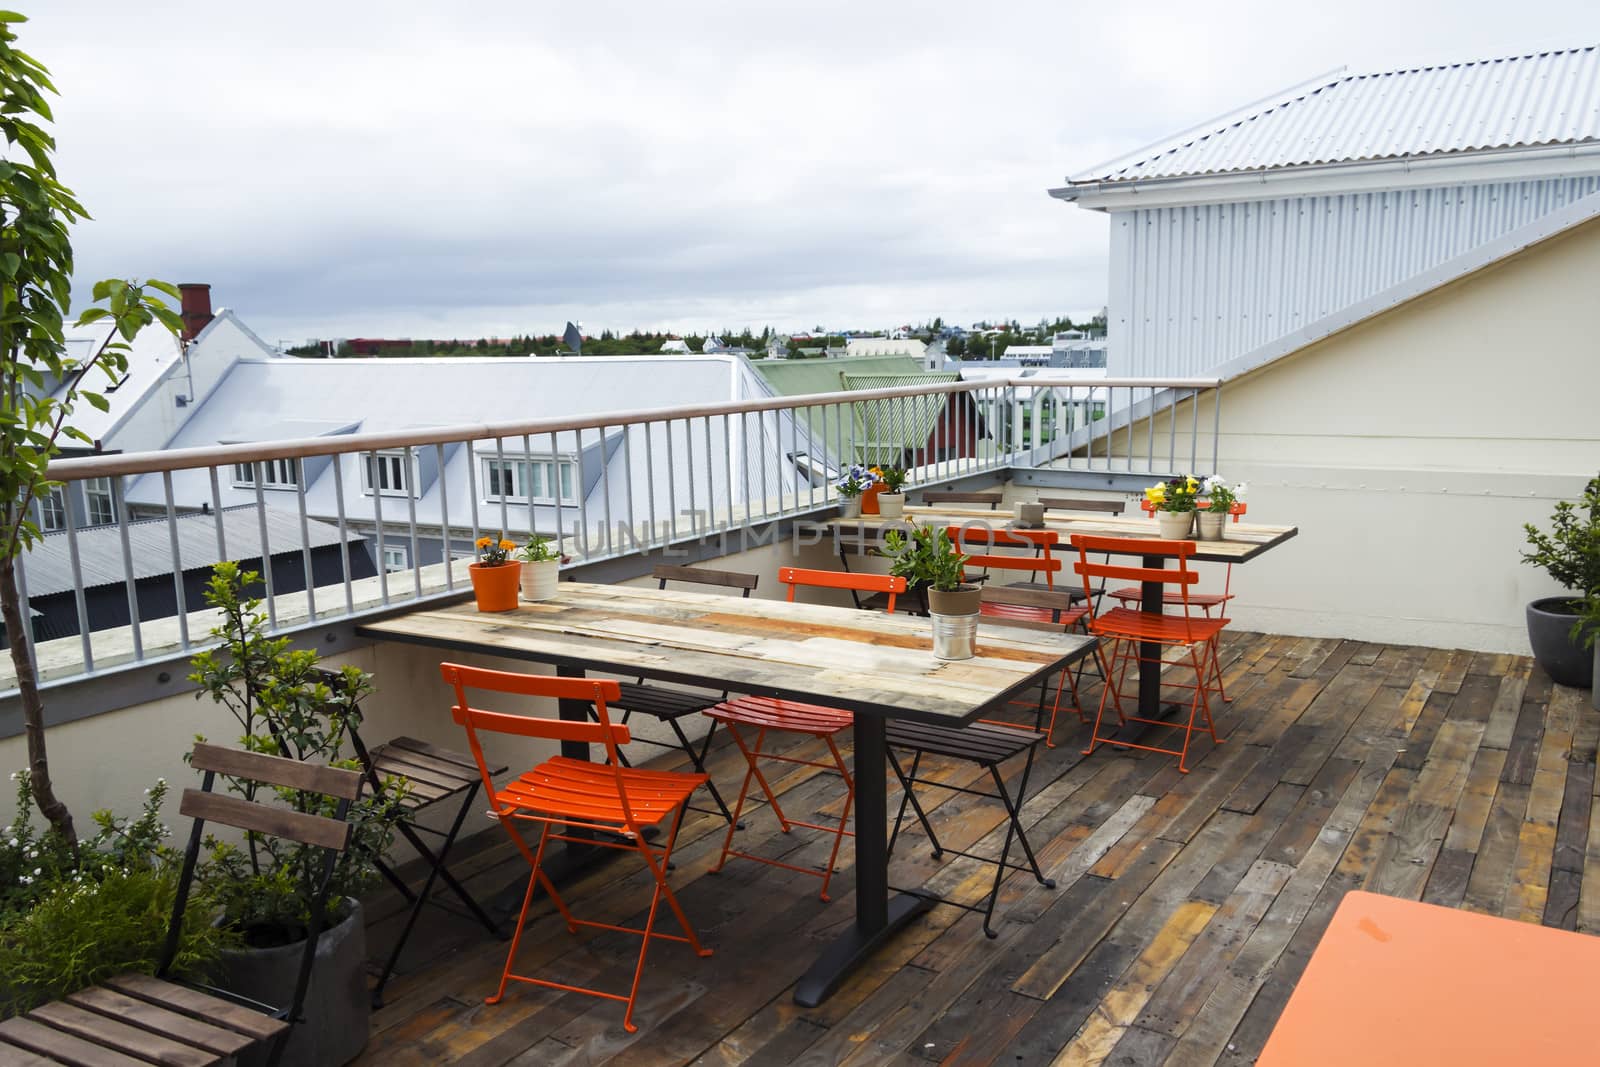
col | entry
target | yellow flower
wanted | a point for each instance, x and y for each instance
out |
(1156, 494)
(506, 546)
(1193, 485)
(485, 542)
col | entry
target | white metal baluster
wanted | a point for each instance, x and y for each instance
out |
(650, 480)
(305, 543)
(369, 462)
(447, 542)
(177, 560)
(407, 480)
(79, 602)
(344, 534)
(266, 548)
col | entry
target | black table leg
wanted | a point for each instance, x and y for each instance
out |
(878, 917)
(1149, 651)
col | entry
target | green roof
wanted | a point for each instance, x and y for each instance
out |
(883, 429)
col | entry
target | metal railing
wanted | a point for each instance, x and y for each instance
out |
(347, 526)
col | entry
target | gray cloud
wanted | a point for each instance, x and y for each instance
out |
(355, 168)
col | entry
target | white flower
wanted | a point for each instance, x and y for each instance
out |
(37, 872)
(13, 842)
(25, 880)
(1239, 490)
(14, 775)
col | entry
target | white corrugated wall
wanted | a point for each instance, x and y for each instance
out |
(1193, 287)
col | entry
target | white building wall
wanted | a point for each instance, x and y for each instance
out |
(1411, 449)
(1195, 286)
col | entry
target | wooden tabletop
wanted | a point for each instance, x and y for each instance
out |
(1241, 541)
(1397, 982)
(862, 661)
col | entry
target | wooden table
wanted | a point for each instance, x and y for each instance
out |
(878, 666)
(1397, 982)
(1241, 543)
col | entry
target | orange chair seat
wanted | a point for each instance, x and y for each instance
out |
(578, 789)
(1065, 618)
(1147, 626)
(1134, 595)
(771, 713)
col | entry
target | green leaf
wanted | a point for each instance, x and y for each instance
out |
(165, 287)
(97, 401)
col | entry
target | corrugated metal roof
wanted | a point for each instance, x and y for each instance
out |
(1549, 98)
(49, 565)
(899, 424)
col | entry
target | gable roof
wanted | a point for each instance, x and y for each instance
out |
(1517, 102)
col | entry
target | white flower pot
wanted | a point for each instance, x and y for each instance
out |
(891, 505)
(1175, 525)
(1212, 524)
(850, 506)
(539, 579)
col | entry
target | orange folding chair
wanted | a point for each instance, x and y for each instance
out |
(1125, 629)
(573, 797)
(768, 715)
(1041, 542)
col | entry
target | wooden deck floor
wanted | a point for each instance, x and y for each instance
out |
(1186, 906)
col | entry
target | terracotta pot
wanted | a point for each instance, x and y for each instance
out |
(1211, 524)
(869, 499)
(495, 587)
(1175, 525)
(891, 505)
(539, 579)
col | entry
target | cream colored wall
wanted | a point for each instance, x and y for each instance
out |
(1409, 450)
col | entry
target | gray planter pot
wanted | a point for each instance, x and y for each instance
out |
(1566, 661)
(338, 1008)
(960, 601)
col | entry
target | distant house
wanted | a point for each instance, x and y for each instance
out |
(1344, 256)
(885, 346)
(675, 346)
(904, 432)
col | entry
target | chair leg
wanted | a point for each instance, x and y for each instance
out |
(844, 816)
(1105, 691)
(536, 877)
(1013, 830)
(697, 759)
(738, 805)
(908, 795)
(661, 890)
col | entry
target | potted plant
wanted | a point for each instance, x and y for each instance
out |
(1586, 631)
(892, 500)
(929, 561)
(1569, 553)
(541, 567)
(263, 886)
(495, 576)
(1220, 501)
(1174, 504)
(850, 486)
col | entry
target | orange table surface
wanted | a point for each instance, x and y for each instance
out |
(1399, 982)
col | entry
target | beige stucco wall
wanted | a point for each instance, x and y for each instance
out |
(1410, 449)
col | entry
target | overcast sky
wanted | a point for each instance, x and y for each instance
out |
(344, 168)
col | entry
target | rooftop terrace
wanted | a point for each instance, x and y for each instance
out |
(1186, 906)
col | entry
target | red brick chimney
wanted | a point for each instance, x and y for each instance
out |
(196, 308)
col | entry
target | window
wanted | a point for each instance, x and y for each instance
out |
(520, 479)
(394, 558)
(275, 473)
(102, 506)
(53, 511)
(386, 472)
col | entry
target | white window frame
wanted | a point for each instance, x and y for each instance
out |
(390, 465)
(518, 469)
(395, 558)
(99, 501)
(53, 510)
(277, 474)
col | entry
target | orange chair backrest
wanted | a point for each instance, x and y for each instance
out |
(1204, 504)
(979, 534)
(1032, 564)
(794, 577)
(594, 690)
(1183, 575)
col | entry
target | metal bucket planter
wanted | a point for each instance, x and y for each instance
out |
(1211, 524)
(850, 506)
(1566, 661)
(955, 622)
(338, 1008)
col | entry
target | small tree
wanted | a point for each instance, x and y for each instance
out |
(39, 383)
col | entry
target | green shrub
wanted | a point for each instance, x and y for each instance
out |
(1570, 552)
(86, 929)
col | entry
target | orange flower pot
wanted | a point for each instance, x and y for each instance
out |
(869, 499)
(495, 587)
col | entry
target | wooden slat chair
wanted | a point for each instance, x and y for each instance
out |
(1052, 611)
(432, 776)
(989, 746)
(767, 715)
(668, 705)
(1125, 629)
(1072, 503)
(574, 800)
(989, 498)
(140, 1019)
